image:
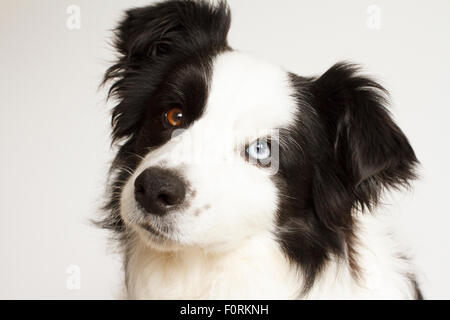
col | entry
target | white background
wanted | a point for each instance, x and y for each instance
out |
(54, 124)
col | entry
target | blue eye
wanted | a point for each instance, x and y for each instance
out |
(259, 150)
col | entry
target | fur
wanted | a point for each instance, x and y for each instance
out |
(304, 225)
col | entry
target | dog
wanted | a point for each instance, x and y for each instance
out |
(236, 179)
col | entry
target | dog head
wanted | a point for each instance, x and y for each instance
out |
(215, 147)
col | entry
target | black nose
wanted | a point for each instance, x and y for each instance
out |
(158, 190)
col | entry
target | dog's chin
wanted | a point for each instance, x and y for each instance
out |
(152, 237)
(149, 233)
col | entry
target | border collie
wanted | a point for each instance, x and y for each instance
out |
(236, 179)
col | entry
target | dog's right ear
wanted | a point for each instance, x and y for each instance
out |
(152, 39)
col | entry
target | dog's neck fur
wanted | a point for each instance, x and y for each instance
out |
(259, 270)
(238, 273)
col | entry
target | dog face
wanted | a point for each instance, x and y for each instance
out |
(210, 183)
(216, 146)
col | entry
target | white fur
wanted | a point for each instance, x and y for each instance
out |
(255, 269)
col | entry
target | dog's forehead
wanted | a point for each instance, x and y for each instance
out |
(247, 95)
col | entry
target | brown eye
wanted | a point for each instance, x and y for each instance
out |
(174, 117)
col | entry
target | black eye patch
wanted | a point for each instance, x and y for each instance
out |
(177, 103)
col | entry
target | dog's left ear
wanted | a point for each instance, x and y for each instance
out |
(366, 151)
